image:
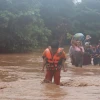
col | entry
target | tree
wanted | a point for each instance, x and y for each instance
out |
(87, 18)
(21, 27)
(56, 15)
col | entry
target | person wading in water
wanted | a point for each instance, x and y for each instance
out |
(54, 59)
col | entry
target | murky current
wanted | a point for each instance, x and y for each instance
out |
(21, 79)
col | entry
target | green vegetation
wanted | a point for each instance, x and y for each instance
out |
(28, 24)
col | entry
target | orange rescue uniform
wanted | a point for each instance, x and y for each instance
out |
(54, 64)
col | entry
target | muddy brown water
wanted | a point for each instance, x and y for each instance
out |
(21, 79)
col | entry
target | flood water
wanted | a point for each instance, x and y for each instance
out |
(21, 79)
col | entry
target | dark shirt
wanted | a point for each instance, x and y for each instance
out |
(95, 53)
(88, 51)
(98, 51)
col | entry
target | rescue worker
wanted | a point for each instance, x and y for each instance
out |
(54, 59)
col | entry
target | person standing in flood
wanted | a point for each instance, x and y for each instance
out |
(76, 52)
(72, 51)
(95, 55)
(87, 54)
(79, 51)
(54, 60)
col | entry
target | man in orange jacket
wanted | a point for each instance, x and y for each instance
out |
(54, 59)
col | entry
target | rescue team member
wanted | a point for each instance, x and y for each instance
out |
(54, 59)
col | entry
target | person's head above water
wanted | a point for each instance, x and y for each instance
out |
(73, 42)
(54, 46)
(79, 43)
(88, 37)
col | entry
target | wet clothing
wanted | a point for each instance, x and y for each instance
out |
(87, 56)
(78, 59)
(76, 55)
(54, 64)
(53, 73)
(95, 56)
(72, 54)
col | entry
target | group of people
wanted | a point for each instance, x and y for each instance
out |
(92, 54)
(80, 53)
(84, 53)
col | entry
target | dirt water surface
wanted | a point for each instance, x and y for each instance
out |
(21, 79)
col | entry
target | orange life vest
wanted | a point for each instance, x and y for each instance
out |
(55, 59)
